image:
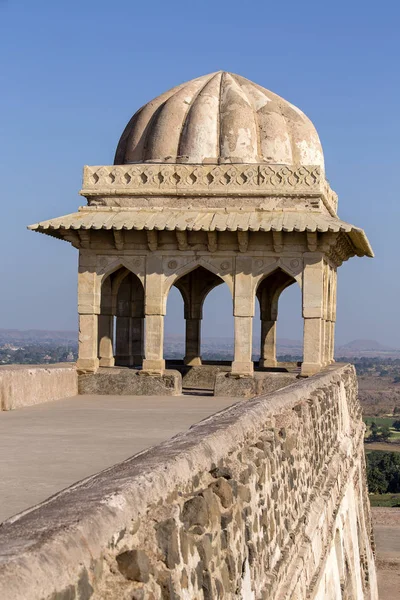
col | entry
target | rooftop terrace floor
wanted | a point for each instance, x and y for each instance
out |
(48, 447)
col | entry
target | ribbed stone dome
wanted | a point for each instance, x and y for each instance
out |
(220, 118)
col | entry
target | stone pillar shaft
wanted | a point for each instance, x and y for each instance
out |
(268, 344)
(154, 361)
(106, 335)
(312, 347)
(193, 342)
(314, 313)
(242, 363)
(88, 361)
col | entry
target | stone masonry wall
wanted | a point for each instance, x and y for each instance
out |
(265, 500)
(25, 385)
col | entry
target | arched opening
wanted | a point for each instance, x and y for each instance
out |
(184, 340)
(271, 293)
(121, 320)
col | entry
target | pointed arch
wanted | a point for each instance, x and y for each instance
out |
(121, 318)
(195, 281)
(137, 268)
(170, 280)
(268, 290)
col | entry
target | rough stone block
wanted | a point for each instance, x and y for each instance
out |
(227, 384)
(26, 385)
(125, 382)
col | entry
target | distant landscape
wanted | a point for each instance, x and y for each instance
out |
(211, 347)
(377, 366)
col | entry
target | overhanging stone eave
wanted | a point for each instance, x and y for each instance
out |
(99, 218)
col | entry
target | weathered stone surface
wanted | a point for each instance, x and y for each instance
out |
(134, 565)
(167, 537)
(299, 516)
(224, 492)
(130, 382)
(195, 512)
(230, 385)
(202, 377)
(26, 385)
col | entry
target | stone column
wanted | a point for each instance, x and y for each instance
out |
(137, 340)
(88, 361)
(106, 335)
(88, 309)
(268, 344)
(154, 356)
(193, 342)
(243, 311)
(154, 311)
(242, 363)
(313, 310)
(123, 342)
(333, 316)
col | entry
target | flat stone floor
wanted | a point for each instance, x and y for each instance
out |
(387, 539)
(47, 447)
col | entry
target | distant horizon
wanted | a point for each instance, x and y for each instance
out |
(282, 341)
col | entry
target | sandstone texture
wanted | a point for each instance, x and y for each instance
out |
(127, 382)
(267, 499)
(25, 385)
(227, 384)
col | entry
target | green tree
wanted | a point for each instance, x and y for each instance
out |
(396, 425)
(374, 431)
(383, 472)
(385, 433)
(377, 483)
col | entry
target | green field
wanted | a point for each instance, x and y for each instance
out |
(381, 421)
(384, 422)
(388, 500)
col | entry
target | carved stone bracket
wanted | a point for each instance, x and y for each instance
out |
(84, 237)
(118, 239)
(277, 241)
(152, 240)
(243, 240)
(312, 241)
(181, 237)
(212, 241)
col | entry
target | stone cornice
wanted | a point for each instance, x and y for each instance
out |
(208, 180)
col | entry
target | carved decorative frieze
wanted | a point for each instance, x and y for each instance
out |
(159, 179)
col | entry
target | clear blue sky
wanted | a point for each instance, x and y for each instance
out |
(73, 72)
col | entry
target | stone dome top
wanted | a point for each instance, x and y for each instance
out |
(216, 119)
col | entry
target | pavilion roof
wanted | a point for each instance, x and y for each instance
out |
(97, 218)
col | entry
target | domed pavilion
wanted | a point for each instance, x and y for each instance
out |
(217, 180)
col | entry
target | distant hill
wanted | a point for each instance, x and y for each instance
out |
(366, 346)
(36, 336)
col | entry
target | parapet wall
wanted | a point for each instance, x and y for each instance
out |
(25, 385)
(265, 500)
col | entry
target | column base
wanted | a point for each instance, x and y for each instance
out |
(156, 366)
(245, 369)
(308, 369)
(87, 365)
(264, 363)
(107, 362)
(192, 361)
